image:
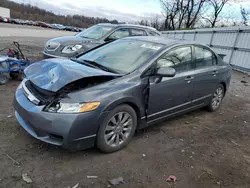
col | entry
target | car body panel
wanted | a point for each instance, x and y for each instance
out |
(161, 102)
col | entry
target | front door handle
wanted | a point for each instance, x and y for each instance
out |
(214, 72)
(189, 78)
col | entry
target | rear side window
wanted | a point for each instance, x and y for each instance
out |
(204, 57)
(137, 32)
(152, 33)
(120, 33)
(179, 58)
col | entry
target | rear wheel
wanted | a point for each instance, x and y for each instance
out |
(117, 129)
(3, 79)
(216, 98)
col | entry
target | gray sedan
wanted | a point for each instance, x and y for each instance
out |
(104, 95)
(70, 46)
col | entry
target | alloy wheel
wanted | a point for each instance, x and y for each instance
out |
(118, 129)
(217, 98)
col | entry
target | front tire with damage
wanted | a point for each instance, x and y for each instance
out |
(117, 129)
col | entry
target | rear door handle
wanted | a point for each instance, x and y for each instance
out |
(189, 78)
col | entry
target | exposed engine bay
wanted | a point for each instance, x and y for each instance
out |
(46, 97)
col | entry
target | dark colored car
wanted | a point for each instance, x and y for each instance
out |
(70, 46)
(105, 94)
(71, 28)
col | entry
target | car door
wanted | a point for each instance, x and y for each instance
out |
(205, 73)
(171, 95)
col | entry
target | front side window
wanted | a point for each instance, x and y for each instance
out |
(120, 33)
(122, 56)
(180, 59)
(137, 32)
(95, 32)
(204, 57)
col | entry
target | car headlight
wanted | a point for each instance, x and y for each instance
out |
(62, 107)
(71, 48)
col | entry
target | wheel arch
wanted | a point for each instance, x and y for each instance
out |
(224, 85)
(138, 108)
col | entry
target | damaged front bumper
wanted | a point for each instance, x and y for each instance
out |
(71, 131)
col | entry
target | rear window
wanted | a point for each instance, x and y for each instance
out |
(137, 32)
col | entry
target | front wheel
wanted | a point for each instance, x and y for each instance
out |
(216, 98)
(117, 129)
(15, 75)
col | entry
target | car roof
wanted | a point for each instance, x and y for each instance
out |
(129, 25)
(162, 40)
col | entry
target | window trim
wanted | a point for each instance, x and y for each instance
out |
(207, 48)
(174, 48)
(148, 33)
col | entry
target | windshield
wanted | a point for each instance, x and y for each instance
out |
(95, 32)
(122, 56)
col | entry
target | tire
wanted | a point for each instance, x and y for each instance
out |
(17, 75)
(217, 98)
(117, 129)
(3, 79)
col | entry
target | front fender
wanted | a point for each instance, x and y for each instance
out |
(138, 106)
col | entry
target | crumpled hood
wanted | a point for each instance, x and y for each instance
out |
(53, 74)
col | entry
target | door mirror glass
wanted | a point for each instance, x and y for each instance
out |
(166, 72)
(110, 38)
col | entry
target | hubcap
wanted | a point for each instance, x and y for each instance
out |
(217, 98)
(118, 129)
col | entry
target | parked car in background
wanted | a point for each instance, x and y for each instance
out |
(58, 26)
(43, 24)
(101, 97)
(71, 28)
(17, 21)
(1, 19)
(71, 46)
(6, 20)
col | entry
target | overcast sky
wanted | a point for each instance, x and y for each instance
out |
(121, 10)
(137, 7)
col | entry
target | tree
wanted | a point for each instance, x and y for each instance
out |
(29, 12)
(216, 6)
(181, 13)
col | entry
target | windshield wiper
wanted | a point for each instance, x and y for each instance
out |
(83, 62)
(100, 66)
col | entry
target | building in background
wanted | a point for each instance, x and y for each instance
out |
(4, 12)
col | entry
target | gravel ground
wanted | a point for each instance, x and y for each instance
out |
(201, 149)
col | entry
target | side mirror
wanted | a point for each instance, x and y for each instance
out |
(222, 56)
(110, 38)
(166, 72)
